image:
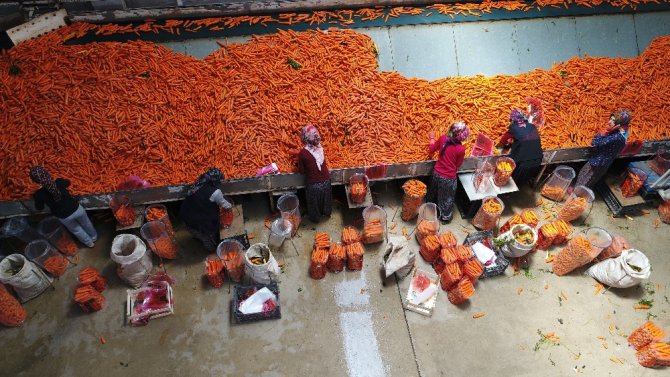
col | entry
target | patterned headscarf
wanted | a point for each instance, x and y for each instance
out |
(41, 176)
(517, 117)
(459, 131)
(212, 177)
(622, 118)
(310, 135)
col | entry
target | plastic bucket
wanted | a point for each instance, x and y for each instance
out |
(231, 252)
(289, 206)
(157, 237)
(53, 230)
(123, 210)
(358, 186)
(558, 183)
(374, 224)
(158, 212)
(516, 249)
(599, 238)
(279, 231)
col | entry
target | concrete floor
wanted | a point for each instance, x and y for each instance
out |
(348, 324)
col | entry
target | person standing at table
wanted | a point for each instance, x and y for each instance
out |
(312, 163)
(523, 140)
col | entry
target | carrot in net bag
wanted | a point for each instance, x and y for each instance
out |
(91, 276)
(336, 258)
(664, 211)
(529, 217)
(158, 213)
(214, 271)
(56, 265)
(11, 312)
(645, 334)
(504, 169)
(618, 245)
(226, 216)
(373, 232)
(355, 252)
(464, 253)
(234, 264)
(414, 193)
(317, 267)
(125, 215)
(473, 269)
(425, 228)
(447, 239)
(446, 257)
(563, 231)
(654, 355)
(350, 235)
(462, 292)
(358, 192)
(575, 254)
(321, 240)
(488, 214)
(429, 248)
(451, 275)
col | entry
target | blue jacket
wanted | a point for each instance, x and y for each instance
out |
(607, 148)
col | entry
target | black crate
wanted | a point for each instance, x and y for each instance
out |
(486, 237)
(242, 238)
(239, 291)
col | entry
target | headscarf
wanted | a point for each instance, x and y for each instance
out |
(517, 117)
(458, 133)
(41, 176)
(622, 118)
(312, 140)
(212, 177)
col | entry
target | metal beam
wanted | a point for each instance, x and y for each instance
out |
(294, 181)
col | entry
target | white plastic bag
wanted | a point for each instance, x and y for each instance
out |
(24, 276)
(133, 263)
(398, 258)
(261, 273)
(627, 270)
(254, 304)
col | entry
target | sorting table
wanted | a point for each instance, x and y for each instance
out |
(468, 200)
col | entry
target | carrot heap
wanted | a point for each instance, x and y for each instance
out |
(429, 247)
(65, 244)
(358, 192)
(645, 334)
(554, 193)
(448, 255)
(89, 299)
(415, 191)
(575, 254)
(350, 235)
(214, 270)
(12, 313)
(450, 276)
(355, 252)
(91, 276)
(336, 258)
(655, 355)
(447, 239)
(425, 228)
(504, 168)
(488, 214)
(664, 211)
(56, 265)
(462, 292)
(317, 267)
(473, 269)
(373, 231)
(573, 208)
(61, 101)
(234, 263)
(125, 215)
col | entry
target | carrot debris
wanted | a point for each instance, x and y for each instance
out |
(519, 290)
(599, 287)
(251, 236)
(103, 340)
(564, 296)
(641, 307)
(11, 312)
(478, 315)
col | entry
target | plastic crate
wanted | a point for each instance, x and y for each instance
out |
(242, 238)
(486, 238)
(240, 291)
(151, 314)
(483, 146)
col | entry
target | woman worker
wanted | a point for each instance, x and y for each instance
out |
(62, 205)
(443, 181)
(607, 144)
(526, 147)
(312, 163)
(200, 209)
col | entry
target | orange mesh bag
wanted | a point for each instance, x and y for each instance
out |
(655, 355)
(664, 211)
(424, 229)
(447, 256)
(451, 274)
(575, 254)
(462, 292)
(447, 239)
(563, 231)
(429, 248)
(350, 235)
(473, 269)
(336, 258)
(464, 253)
(354, 253)
(317, 267)
(11, 312)
(214, 271)
(619, 244)
(414, 194)
(647, 333)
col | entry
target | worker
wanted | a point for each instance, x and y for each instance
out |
(200, 209)
(442, 188)
(607, 145)
(312, 163)
(63, 205)
(525, 146)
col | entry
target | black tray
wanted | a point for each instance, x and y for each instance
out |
(501, 262)
(240, 291)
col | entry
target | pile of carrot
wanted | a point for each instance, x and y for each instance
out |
(336, 258)
(234, 263)
(631, 184)
(317, 267)
(358, 192)
(575, 254)
(647, 333)
(214, 270)
(504, 169)
(12, 313)
(373, 231)
(429, 248)
(462, 292)
(125, 215)
(618, 245)
(350, 235)
(447, 239)
(425, 228)
(355, 252)
(91, 276)
(573, 208)
(89, 299)
(56, 265)
(664, 211)
(415, 191)
(65, 244)
(154, 213)
(488, 214)
(95, 112)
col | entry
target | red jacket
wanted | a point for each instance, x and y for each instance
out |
(448, 162)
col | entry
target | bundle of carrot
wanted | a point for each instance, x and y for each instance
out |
(414, 193)
(448, 255)
(473, 269)
(91, 276)
(321, 240)
(644, 335)
(89, 299)
(655, 355)
(60, 101)
(575, 254)
(447, 239)
(563, 230)
(545, 236)
(462, 292)
(354, 253)
(317, 267)
(464, 253)
(373, 231)
(618, 245)
(350, 235)
(65, 244)
(664, 211)
(527, 216)
(429, 248)
(554, 193)
(573, 208)
(12, 313)
(159, 212)
(336, 258)
(425, 228)
(226, 216)
(632, 183)
(358, 192)
(214, 270)
(56, 265)
(450, 276)
(234, 263)
(125, 215)
(504, 168)
(488, 214)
